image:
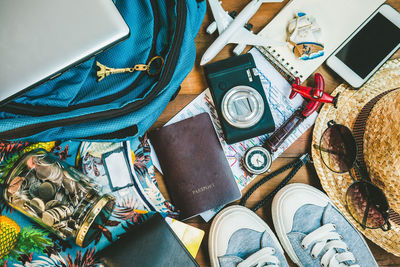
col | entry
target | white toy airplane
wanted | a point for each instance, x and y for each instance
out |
(233, 29)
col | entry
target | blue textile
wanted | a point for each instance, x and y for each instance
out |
(75, 106)
(310, 217)
(245, 242)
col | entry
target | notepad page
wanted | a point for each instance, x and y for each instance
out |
(338, 19)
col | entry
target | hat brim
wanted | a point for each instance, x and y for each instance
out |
(350, 102)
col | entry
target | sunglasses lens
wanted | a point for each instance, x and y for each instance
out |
(367, 204)
(338, 148)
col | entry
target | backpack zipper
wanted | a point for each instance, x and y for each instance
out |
(29, 130)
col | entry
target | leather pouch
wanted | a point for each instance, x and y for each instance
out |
(150, 244)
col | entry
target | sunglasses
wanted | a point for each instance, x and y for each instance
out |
(365, 201)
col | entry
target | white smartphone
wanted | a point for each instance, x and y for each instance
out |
(368, 48)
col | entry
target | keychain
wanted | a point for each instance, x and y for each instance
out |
(152, 68)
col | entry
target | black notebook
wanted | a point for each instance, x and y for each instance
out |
(150, 244)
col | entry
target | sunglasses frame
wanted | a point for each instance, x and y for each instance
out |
(331, 124)
(356, 171)
(386, 226)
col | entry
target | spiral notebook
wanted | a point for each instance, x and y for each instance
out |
(338, 19)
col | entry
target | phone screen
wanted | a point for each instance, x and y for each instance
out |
(370, 45)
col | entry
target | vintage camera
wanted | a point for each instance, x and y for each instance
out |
(239, 98)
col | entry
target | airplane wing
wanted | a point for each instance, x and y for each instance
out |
(245, 37)
(221, 17)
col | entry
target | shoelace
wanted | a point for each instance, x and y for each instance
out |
(263, 257)
(327, 237)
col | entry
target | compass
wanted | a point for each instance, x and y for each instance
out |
(257, 160)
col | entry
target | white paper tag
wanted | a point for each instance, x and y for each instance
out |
(117, 168)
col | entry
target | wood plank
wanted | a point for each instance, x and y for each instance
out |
(195, 83)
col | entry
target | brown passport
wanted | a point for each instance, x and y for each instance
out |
(196, 171)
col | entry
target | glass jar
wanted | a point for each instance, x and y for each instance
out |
(57, 196)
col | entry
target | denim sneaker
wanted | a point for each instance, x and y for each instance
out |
(239, 238)
(314, 233)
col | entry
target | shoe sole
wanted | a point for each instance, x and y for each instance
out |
(218, 221)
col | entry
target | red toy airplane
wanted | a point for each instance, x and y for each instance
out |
(315, 94)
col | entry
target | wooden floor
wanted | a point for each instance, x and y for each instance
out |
(195, 83)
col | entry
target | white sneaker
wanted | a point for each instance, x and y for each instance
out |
(314, 233)
(239, 238)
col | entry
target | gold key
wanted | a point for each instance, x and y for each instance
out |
(103, 71)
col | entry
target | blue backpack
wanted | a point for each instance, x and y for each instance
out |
(75, 106)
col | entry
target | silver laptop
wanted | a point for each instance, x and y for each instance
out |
(40, 39)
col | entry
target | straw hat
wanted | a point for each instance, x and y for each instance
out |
(380, 143)
(382, 147)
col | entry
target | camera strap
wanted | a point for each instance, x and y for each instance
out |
(296, 165)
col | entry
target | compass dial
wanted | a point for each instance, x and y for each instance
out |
(257, 160)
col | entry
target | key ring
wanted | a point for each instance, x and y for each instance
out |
(152, 68)
(155, 60)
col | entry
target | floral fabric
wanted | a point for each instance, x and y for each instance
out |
(134, 203)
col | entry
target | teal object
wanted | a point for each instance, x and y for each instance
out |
(222, 78)
(75, 106)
